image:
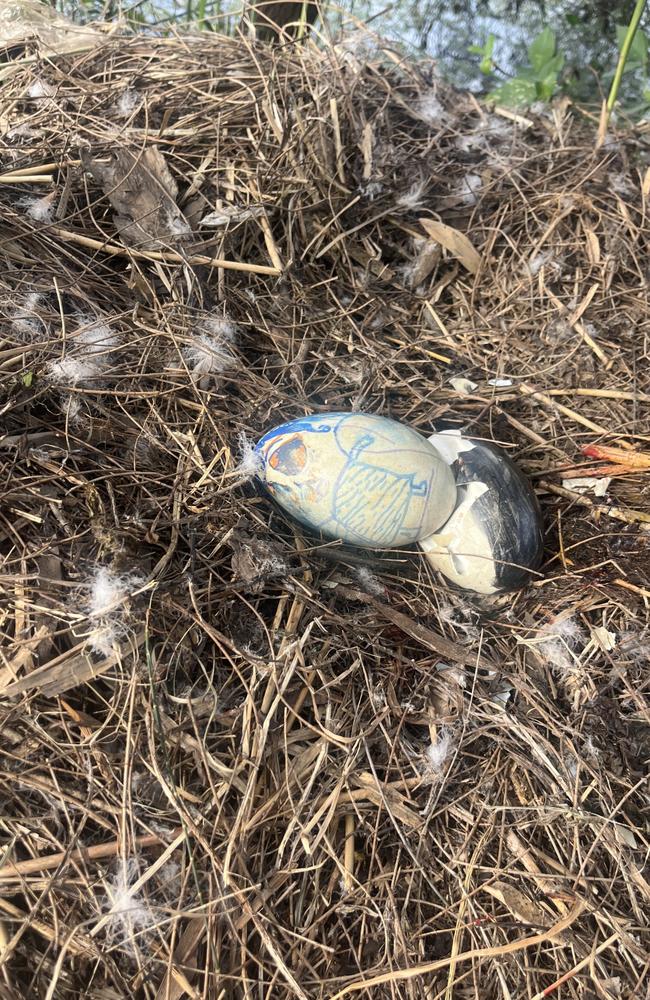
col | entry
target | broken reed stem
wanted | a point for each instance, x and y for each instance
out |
(25, 179)
(546, 400)
(16, 871)
(632, 397)
(577, 968)
(40, 168)
(80, 945)
(641, 591)
(167, 257)
(429, 638)
(618, 513)
(348, 853)
(398, 975)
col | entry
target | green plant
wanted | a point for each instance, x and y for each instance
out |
(637, 55)
(539, 80)
(633, 55)
(486, 64)
(633, 51)
(637, 62)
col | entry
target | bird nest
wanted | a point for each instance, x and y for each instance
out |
(240, 760)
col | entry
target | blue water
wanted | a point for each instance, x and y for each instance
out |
(440, 29)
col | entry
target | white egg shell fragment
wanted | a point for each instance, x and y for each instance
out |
(494, 538)
(362, 478)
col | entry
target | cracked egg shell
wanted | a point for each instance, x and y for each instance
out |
(494, 538)
(365, 479)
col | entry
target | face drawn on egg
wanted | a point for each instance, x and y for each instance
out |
(290, 457)
(494, 536)
(359, 477)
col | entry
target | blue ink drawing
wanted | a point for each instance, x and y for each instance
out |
(379, 520)
(313, 424)
(364, 502)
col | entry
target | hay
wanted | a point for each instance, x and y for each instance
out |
(238, 761)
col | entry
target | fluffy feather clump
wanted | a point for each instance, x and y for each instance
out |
(438, 753)
(127, 103)
(104, 600)
(560, 644)
(206, 355)
(414, 197)
(429, 107)
(468, 189)
(40, 209)
(72, 371)
(73, 409)
(356, 48)
(26, 324)
(129, 913)
(431, 761)
(88, 354)
(209, 351)
(40, 89)
(369, 581)
(250, 461)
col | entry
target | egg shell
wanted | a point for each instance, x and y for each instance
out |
(494, 537)
(359, 477)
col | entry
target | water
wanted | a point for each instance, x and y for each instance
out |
(442, 30)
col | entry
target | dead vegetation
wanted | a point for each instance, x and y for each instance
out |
(238, 761)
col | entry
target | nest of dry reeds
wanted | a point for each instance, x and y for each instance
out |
(237, 760)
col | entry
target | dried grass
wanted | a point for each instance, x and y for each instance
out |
(299, 770)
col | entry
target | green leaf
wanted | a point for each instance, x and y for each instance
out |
(515, 93)
(546, 89)
(637, 57)
(486, 65)
(526, 73)
(548, 73)
(639, 48)
(27, 379)
(542, 48)
(573, 20)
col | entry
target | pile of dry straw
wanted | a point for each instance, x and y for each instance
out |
(238, 761)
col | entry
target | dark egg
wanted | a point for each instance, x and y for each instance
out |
(493, 539)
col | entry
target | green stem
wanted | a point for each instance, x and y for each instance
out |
(625, 51)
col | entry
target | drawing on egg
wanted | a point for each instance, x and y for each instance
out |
(359, 477)
(377, 483)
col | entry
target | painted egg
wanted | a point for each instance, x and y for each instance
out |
(359, 477)
(494, 536)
